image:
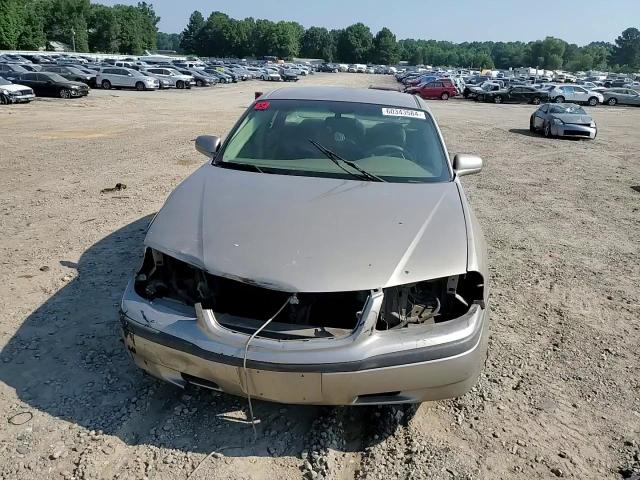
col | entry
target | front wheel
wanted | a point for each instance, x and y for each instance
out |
(612, 101)
(65, 93)
(106, 84)
(444, 96)
(547, 130)
(559, 99)
(497, 99)
(536, 101)
(199, 83)
(139, 86)
(593, 101)
(532, 125)
(180, 84)
(3, 100)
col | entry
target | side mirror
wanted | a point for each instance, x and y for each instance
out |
(464, 164)
(208, 145)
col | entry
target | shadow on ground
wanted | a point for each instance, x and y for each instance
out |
(525, 131)
(67, 360)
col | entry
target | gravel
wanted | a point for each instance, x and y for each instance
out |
(559, 396)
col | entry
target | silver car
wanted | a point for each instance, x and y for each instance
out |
(563, 120)
(119, 77)
(174, 77)
(326, 254)
(621, 96)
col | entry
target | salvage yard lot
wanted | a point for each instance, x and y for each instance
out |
(560, 395)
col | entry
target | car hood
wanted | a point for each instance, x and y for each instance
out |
(572, 117)
(307, 234)
(14, 87)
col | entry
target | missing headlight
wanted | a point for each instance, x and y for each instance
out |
(431, 301)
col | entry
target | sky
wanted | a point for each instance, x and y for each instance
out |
(576, 21)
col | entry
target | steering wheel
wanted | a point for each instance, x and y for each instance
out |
(388, 151)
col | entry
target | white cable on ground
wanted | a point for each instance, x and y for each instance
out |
(292, 299)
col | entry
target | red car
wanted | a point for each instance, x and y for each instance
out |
(442, 88)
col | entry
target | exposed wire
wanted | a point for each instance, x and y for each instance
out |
(293, 299)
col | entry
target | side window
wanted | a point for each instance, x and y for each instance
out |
(579, 90)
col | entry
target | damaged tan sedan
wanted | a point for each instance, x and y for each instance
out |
(325, 255)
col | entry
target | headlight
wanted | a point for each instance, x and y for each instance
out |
(74, 87)
(593, 124)
(5, 92)
(557, 121)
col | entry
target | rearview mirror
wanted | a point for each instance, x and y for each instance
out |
(208, 145)
(464, 164)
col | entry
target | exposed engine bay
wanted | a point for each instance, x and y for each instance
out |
(244, 306)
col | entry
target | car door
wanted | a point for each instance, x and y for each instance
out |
(46, 85)
(29, 80)
(567, 93)
(515, 95)
(633, 97)
(580, 94)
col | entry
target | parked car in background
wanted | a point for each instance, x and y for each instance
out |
(14, 92)
(472, 91)
(401, 315)
(11, 70)
(31, 67)
(563, 120)
(70, 73)
(118, 77)
(442, 88)
(289, 75)
(574, 94)
(200, 77)
(271, 75)
(621, 96)
(516, 94)
(47, 84)
(616, 82)
(177, 79)
(162, 83)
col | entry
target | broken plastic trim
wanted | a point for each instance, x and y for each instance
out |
(243, 307)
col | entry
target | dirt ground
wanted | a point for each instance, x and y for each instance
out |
(560, 395)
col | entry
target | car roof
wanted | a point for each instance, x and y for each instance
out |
(345, 94)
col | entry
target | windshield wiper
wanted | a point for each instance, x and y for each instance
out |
(247, 167)
(335, 158)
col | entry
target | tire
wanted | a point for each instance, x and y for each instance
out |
(532, 125)
(199, 83)
(64, 93)
(444, 96)
(106, 84)
(180, 84)
(3, 100)
(547, 130)
(593, 101)
(612, 101)
(559, 99)
(139, 86)
(465, 94)
(497, 99)
(536, 100)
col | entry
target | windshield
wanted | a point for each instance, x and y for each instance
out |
(4, 82)
(569, 108)
(397, 145)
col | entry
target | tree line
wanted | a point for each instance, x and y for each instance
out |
(32, 24)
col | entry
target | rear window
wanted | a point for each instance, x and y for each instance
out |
(395, 144)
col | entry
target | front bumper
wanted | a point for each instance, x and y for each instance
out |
(430, 362)
(26, 98)
(574, 131)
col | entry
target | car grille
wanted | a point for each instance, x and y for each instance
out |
(24, 92)
(579, 133)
